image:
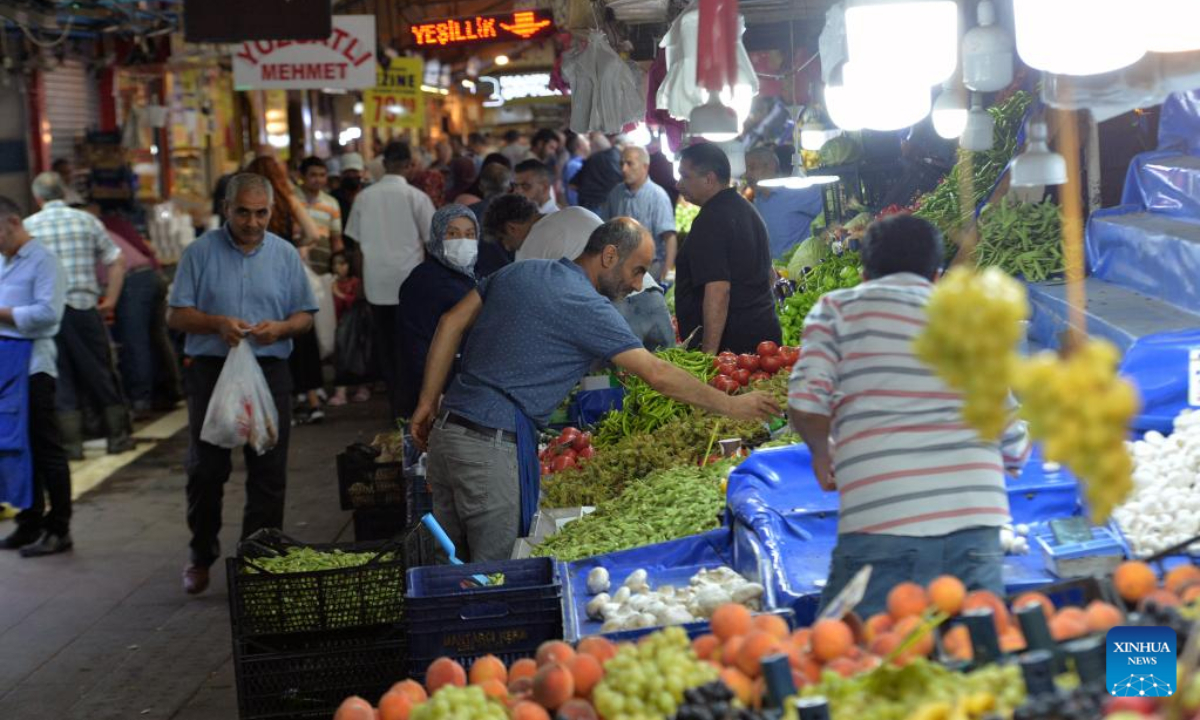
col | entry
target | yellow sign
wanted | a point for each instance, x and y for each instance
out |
(396, 101)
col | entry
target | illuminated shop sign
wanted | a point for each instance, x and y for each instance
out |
(524, 86)
(476, 29)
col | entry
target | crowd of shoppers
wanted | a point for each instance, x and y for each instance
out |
(405, 250)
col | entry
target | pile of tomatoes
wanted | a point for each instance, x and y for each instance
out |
(735, 372)
(571, 449)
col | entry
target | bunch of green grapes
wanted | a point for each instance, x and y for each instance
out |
(459, 702)
(646, 681)
(971, 340)
(918, 690)
(1081, 409)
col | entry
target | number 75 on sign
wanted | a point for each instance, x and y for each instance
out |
(391, 109)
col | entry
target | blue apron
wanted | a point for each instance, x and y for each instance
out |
(529, 470)
(16, 458)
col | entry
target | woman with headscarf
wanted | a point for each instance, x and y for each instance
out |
(435, 286)
(290, 221)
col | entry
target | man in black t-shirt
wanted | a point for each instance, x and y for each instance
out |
(723, 272)
(600, 174)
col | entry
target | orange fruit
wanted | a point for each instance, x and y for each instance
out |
(742, 686)
(395, 706)
(877, 625)
(493, 688)
(907, 599)
(554, 651)
(442, 672)
(1134, 580)
(755, 647)
(831, 639)
(600, 648)
(730, 620)
(523, 668)
(587, 673)
(957, 643)
(772, 624)
(705, 645)
(1181, 577)
(924, 646)
(553, 685)
(947, 594)
(413, 689)
(488, 667)
(1102, 617)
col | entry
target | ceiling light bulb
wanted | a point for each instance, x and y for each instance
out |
(1038, 165)
(886, 101)
(1079, 37)
(950, 111)
(916, 39)
(842, 106)
(714, 121)
(501, 59)
(979, 134)
(987, 53)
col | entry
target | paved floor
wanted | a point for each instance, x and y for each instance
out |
(106, 632)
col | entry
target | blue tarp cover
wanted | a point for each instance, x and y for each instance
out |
(1166, 182)
(1158, 365)
(783, 521)
(1179, 123)
(1152, 253)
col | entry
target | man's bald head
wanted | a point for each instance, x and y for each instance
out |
(620, 252)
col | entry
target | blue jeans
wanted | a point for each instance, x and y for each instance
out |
(973, 555)
(132, 331)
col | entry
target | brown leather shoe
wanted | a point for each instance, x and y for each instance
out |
(195, 579)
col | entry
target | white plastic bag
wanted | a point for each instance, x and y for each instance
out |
(325, 322)
(241, 410)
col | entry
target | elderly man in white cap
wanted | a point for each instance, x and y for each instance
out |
(351, 168)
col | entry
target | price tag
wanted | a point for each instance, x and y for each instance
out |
(849, 597)
(1071, 530)
(1194, 377)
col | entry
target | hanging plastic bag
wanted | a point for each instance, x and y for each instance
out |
(325, 322)
(241, 410)
(355, 360)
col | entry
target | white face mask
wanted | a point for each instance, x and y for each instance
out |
(462, 252)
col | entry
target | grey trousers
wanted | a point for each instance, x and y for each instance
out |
(476, 491)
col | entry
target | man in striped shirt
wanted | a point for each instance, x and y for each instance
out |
(921, 493)
(325, 214)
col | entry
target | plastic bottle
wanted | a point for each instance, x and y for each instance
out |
(812, 708)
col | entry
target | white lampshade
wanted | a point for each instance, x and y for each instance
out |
(713, 121)
(887, 101)
(979, 134)
(1079, 37)
(1038, 165)
(916, 39)
(843, 109)
(1171, 25)
(987, 53)
(950, 111)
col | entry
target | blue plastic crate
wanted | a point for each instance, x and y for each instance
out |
(510, 620)
(420, 497)
(1098, 556)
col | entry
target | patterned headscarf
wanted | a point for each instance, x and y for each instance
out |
(436, 245)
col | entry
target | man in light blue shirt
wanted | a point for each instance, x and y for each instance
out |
(236, 284)
(32, 298)
(640, 198)
(787, 212)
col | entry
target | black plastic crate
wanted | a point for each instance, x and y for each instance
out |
(381, 523)
(265, 603)
(365, 483)
(448, 615)
(420, 549)
(313, 683)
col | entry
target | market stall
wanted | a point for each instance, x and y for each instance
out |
(677, 563)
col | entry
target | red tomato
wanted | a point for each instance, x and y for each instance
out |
(748, 362)
(545, 469)
(725, 384)
(563, 462)
(766, 348)
(771, 364)
(568, 436)
(587, 453)
(727, 356)
(790, 355)
(568, 453)
(716, 362)
(583, 441)
(760, 376)
(742, 376)
(727, 368)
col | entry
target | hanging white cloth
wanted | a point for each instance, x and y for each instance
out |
(605, 91)
(679, 93)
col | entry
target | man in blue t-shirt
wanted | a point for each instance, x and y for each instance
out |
(537, 327)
